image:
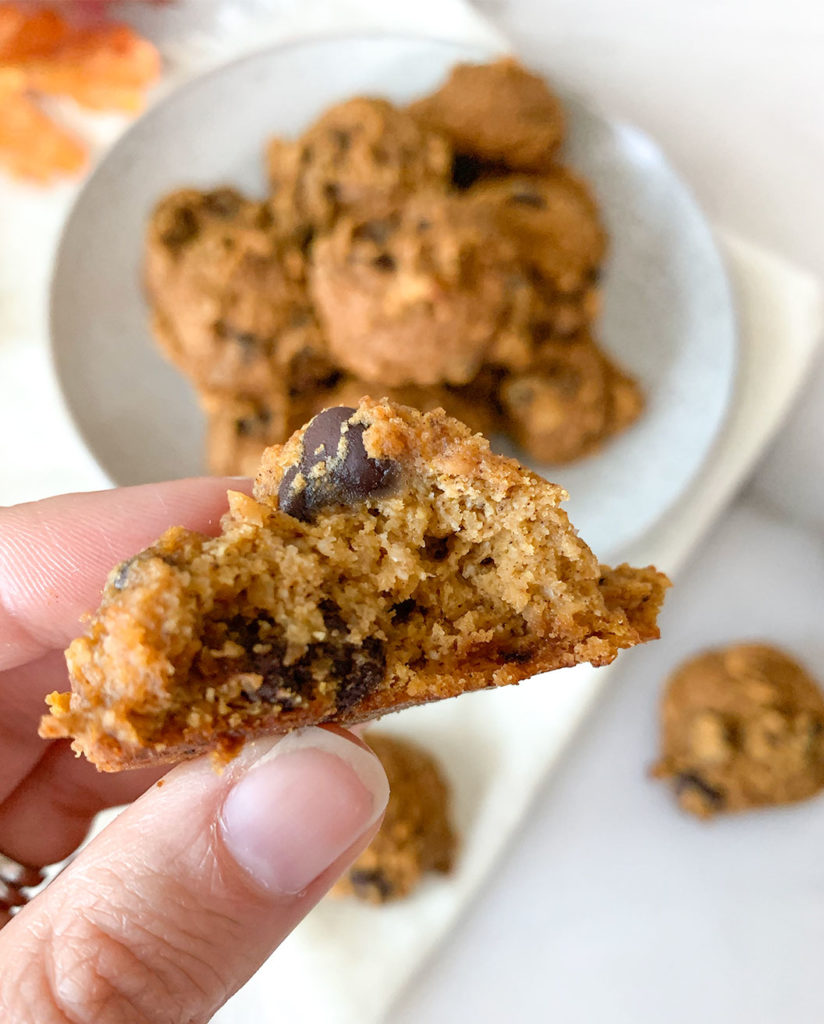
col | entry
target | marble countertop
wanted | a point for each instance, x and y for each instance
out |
(612, 906)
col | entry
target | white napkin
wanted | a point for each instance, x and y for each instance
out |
(347, 962)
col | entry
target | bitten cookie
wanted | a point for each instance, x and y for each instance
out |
(414, 297)
(741, 727)
(388, 559)
(363, 152)
(498, 112)
(416, 835)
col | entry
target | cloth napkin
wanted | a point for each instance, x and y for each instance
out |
(347, 962)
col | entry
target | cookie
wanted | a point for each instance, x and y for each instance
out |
(498, 113)
(568, 402)
(554, 220)
(416, 835)
(741, 727)
(388, 559)
(363, 152)
(228, 295)
(415, 297)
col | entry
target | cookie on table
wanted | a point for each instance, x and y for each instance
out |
(568, 402)
(416, 835)
(387, 559)
(414, 297)
(741, 727)
(364, 151)
(498, 113)
(228, 294)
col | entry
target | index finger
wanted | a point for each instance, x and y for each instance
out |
(55, 554)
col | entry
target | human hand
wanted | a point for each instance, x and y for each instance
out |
(177, 903)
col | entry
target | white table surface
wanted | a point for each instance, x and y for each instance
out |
(612, 906)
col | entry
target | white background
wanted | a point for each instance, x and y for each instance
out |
(613, 907)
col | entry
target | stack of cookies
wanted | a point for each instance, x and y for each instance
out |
(438, 255)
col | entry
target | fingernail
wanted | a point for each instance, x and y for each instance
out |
(300, 805)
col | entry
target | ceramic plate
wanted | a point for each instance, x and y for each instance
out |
(668, 314)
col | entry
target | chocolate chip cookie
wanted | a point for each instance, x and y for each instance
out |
(741, 727)
(363, 152)
(228, 296)
(388, 558)
(569, 402)
(498, 113)
(414, 297)
(416, 836)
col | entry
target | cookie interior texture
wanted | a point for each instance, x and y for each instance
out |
(387, 559)
(416, 834)
(741, 727)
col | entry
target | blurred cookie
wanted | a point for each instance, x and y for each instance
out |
(416, 835)
(497, 112)
(228, 295)
(741, 727)
(554, 220)
(362, 151)
(414, 297)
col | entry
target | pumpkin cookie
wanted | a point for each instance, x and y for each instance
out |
(498, 113)
(416, 835)
(741, 727)
(387, 559)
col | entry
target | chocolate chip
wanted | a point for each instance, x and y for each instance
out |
(515, 657)
(466, 169)
(359, 671)
(689, 781)
(334, 468)
(332, 618)
(527, 198)
(368, 883)
(343, 140)
(222, 202)
(384, 262)
(182, 229)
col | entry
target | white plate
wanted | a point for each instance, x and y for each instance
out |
(668, 313)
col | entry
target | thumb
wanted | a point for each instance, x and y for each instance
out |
(178, 902)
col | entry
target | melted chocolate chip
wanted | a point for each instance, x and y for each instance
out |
(690, 781)
(359, 670)
(334, 468)
(366, 883)
(515, 657)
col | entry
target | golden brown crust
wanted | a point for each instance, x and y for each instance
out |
(463, 574)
